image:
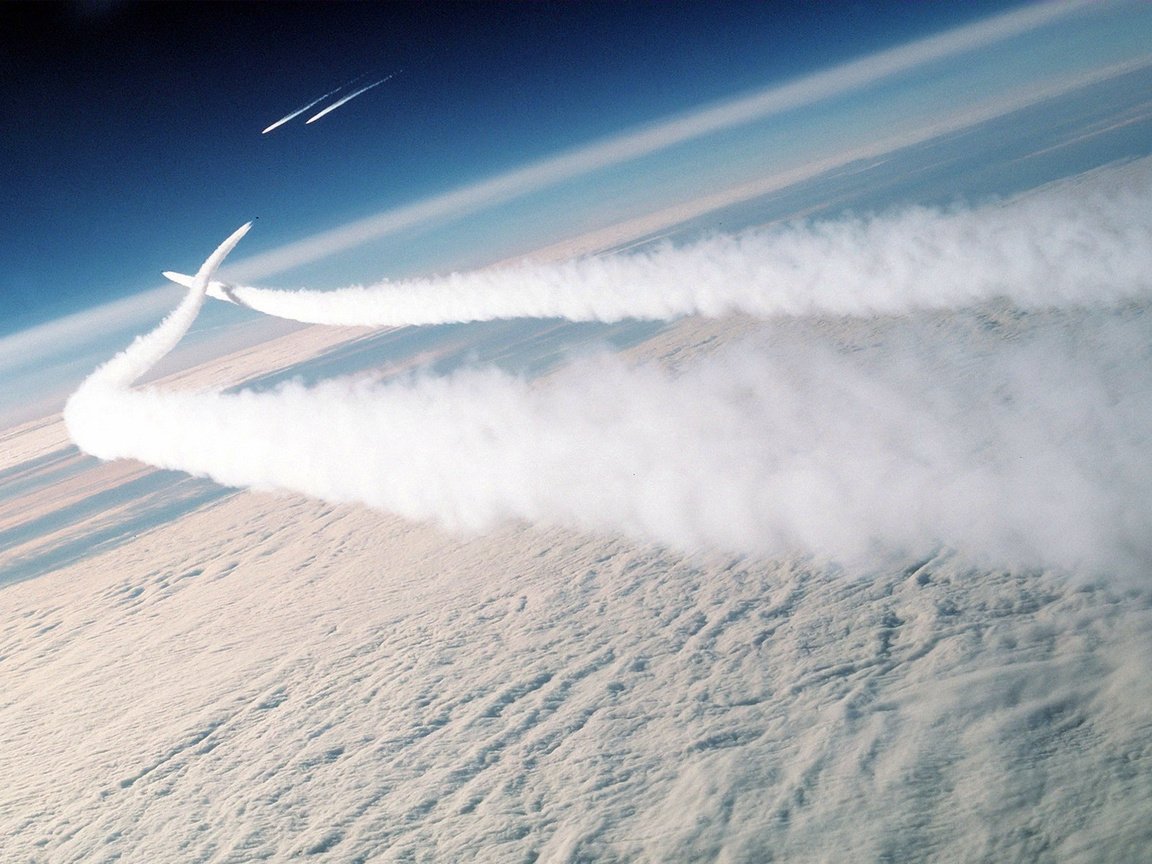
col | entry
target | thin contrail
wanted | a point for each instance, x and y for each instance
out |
(347, 98)
(144, 353)
(1068, 245)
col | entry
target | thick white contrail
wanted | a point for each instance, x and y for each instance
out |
(347, 98)
(1086, 242)
(300, 111)
(1025, 451)
(1017, 438)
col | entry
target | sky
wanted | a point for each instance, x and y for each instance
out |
(134, 140)
(133, 130)
(913, 345)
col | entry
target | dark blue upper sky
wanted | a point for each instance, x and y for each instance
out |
(132, 131)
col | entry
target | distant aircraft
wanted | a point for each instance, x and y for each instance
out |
(300, 111)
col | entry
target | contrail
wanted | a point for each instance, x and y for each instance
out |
(146, 351)
(1025, 449)
(98, 393)
(347, 98)
(300, 111)
(1018, 438)
(1078, 243)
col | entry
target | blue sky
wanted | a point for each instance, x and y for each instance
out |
(132, 130)
(132, 140)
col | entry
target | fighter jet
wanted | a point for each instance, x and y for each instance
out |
(216, 288)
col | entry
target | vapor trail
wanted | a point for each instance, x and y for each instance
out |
(1079, 243)
(347, 98)
(147, 350)
(1016, 437)
(1028, 450)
